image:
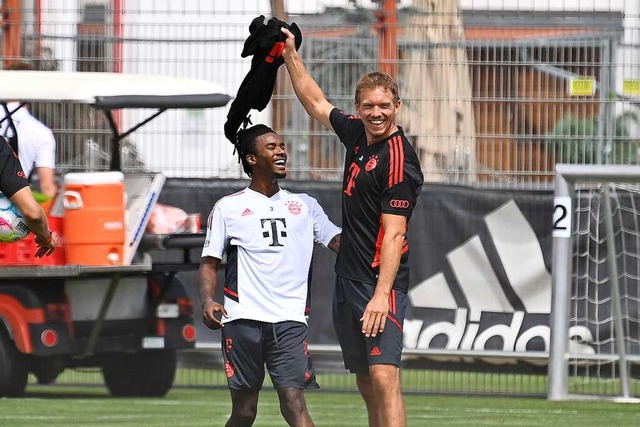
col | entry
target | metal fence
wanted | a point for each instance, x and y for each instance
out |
(203, 367)
(492, 96)
(494, 93)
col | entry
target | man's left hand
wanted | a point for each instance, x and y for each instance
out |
(375, 315)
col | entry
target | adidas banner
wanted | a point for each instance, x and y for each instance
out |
(480, 273)
(480, 266)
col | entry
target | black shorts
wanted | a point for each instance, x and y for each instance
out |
(358, 351)
(248, 344)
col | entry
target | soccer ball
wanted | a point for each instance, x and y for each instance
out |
(13, 227)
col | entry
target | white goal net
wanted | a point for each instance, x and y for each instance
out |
(595, 316)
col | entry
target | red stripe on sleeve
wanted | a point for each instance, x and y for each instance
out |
(392, 161)
(396, 161)
(401, 160)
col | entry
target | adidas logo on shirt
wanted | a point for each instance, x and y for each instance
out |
(247, 212)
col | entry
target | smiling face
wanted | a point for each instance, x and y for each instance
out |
(378, 107)
(270, 159)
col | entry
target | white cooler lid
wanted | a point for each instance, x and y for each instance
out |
(94, 178)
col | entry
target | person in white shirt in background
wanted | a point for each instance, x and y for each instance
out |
(36, 143)
(14, 186)
(268, 235)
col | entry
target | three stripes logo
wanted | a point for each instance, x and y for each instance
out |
(396, 161)
(482, 314)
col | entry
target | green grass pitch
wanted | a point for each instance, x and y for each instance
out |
(91, 405)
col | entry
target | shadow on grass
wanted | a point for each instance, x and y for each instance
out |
(57, 391)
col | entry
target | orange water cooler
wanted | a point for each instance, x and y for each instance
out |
(94, 218)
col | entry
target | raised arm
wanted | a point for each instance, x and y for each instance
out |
(307, 90)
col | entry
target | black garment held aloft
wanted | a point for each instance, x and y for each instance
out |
(265, 43)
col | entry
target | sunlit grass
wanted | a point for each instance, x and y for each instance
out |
(91, 405)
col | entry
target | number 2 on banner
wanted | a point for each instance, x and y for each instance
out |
(562, 217)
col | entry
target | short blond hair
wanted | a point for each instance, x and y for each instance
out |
(377, 79)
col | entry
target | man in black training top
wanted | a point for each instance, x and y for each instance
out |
(381, 183)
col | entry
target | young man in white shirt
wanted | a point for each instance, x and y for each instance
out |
(268, 235)
(36, 143)
(14, 186)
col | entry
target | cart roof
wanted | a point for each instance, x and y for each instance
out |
(111, 90)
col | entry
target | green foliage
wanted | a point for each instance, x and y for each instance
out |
(574, 140)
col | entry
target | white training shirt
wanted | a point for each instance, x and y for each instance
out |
(36, 144)
(269, 242)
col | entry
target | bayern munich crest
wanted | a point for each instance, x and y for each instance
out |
(371, 163)
(294, 207)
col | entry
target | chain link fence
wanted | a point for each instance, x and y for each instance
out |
(492, 96)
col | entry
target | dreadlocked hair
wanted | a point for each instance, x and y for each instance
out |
(246, 143)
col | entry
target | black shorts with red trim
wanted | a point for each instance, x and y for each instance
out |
(358, 351)
(247, 345)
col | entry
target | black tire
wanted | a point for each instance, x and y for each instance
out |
(147, 373)
(14, 368)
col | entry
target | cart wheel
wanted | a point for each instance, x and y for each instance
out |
(148, 373)
(13, 367)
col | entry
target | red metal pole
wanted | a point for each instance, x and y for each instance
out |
(117, 49)
(117, 35)
(37, 6)
(387, 27)
(12, 26)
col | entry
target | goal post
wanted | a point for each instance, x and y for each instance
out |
(595, 313)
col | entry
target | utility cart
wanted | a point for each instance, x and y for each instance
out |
(127, 319)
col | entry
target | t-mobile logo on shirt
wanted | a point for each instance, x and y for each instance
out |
(274, 228)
